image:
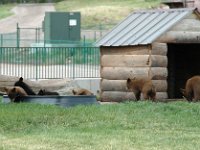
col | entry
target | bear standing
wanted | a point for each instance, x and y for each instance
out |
(15, 93)
(23, 85)
(192, 89)
(144, 86)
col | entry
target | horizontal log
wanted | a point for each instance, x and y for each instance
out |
(125, 60)
(120, 85)
(161, 85)
(123, 73)
(158, 61)
(159, 49)
(161, 95)
(187, 25)
(113, 85)
(180, 37)
(133, 61)
(126, 50)
(116, 96)
(158, 73)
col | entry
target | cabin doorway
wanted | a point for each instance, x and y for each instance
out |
(183, 63)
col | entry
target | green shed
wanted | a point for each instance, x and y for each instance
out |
(60, 27)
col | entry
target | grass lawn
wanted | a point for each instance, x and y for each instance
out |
(6, 10)
(94, 12)
(124, 126)
(105, 12)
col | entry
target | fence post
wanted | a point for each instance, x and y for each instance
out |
(1, 40)
(36, 63)
(18, 36)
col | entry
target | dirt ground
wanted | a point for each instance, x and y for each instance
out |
(26, 15)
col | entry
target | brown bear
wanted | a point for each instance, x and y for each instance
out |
(82, 92)
(15, 93)
(144, 86)
(192, 89)
(45, 92)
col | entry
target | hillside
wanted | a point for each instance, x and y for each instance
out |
(93, 13)
(104, 12)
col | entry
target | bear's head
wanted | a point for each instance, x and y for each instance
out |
(183, 92)
(41, 92)
(130, 83)
(14, 92)
(21, 79)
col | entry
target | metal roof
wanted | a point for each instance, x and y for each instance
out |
(143, 27)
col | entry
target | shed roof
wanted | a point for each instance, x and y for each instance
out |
(143, 27)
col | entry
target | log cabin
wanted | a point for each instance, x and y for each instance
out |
(163, 45)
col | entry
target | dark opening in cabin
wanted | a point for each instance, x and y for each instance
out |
(183, 63)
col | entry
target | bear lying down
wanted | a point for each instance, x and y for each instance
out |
(15, 93)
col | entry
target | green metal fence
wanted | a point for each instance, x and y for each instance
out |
(34, 37)
(50, 62)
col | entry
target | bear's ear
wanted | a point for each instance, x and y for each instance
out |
(20, 79)
(182, 91)
(74, 92)
(6, 89)
(14, 89)
(128, 80)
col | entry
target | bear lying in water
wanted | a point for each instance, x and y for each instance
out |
(15, 93)
(45, 92)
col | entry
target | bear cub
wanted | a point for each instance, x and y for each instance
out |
(192, 89)
(144, 86)
(82, 92)
(15, 93)
(45, 92)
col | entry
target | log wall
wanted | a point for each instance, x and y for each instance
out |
(186, 31)
(120, 63)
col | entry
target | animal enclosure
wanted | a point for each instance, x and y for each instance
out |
(159, 44)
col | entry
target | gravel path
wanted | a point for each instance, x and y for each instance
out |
(26, 15)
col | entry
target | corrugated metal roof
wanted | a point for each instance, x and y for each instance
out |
(143, 27)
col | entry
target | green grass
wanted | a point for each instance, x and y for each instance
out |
(94, 13)
(105, 12)
(125, 126)
(6, 10)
